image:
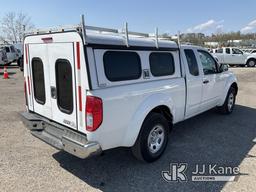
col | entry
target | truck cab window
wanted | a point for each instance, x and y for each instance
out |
(12, 49)
(227, 50)
(236, 51)
(7, 49)
(219, 51)
(208, 63)
(192, 63)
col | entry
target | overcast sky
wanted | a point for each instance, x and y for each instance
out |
(143, 15)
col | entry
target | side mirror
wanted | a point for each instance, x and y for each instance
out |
(223, 67)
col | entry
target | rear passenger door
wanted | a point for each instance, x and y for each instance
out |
(194, 83)
(228, 57)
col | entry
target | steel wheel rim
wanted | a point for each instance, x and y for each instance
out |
(231, 100)
(156, 139)
(251, 63)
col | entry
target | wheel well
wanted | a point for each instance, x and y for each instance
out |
(234, 85)
(165, 111)
(250, 60)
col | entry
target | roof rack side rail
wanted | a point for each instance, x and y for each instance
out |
(138, 34)
(53, 29)
(101, 29)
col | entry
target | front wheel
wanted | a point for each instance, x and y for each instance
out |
(228, 106)
(251, 63)
(152, 139)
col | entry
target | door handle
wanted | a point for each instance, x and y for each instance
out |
(205, 81)
(53, 92)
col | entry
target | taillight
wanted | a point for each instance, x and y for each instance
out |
(94, 113)
(25, 93)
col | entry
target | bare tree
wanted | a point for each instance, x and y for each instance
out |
(13, 26)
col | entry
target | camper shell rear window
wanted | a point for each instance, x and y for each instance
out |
(64, 85)
(38, 80)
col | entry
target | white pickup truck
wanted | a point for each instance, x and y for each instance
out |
(234, 56)
(89, 91)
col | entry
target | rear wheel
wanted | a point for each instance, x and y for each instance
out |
(229, 104)
(152, 139)
(251, 63)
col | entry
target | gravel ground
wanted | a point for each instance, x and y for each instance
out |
(27, 164)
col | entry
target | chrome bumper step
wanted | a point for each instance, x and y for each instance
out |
(60, 137)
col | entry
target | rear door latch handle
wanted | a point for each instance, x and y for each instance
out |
(205, 81)
(53, 92)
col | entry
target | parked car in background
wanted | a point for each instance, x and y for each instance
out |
(234, 56)
(213, 50)
(19, 48)
(3, 57)
(11, 52)
(89, 93)
(253, 51)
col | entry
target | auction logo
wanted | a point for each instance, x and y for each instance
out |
(210, 172)
(176, 172)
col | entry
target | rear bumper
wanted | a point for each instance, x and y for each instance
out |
(59, 136)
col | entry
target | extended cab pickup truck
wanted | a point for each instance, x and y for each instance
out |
(234, 56)
(89, 91)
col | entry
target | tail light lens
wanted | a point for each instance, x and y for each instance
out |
(94, 113)
(25, 93)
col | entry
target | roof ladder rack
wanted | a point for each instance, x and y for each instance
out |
(83, 29)
(156, 38)
(126, 34)
(178, 42)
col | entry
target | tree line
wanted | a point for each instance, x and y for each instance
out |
(13, 25)
(224, 39)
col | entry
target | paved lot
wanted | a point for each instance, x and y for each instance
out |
(27, 164)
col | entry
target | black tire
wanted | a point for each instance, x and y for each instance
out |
(21, 63)
(226, 108)
(230, 65)
(251, 63)
(8, 64)
(141, 149)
